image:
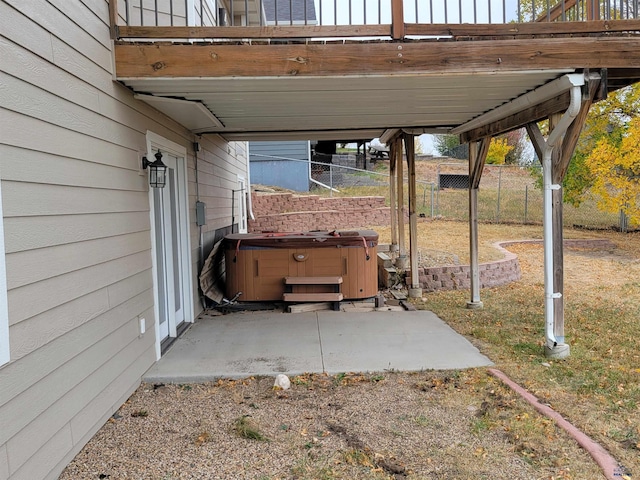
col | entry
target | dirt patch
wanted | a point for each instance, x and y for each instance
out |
(444, 425)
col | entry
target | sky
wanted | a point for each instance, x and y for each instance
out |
(342, 12)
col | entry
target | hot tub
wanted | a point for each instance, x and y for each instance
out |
(257, 263)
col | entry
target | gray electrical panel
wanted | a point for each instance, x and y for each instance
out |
(201, 214)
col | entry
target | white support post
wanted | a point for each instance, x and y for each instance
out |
(474, 265)
(477, 157)
(554, 340)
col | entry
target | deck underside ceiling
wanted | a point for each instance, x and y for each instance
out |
(250, 107)
(346, 98)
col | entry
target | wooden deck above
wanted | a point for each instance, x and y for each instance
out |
(293, 82)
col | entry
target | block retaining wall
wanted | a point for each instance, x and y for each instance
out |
(286, 212)
(458, 277)
(492, 274)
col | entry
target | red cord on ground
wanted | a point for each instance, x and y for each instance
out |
(609, 465)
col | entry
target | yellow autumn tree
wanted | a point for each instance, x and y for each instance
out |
(498, 150)
(615, 164)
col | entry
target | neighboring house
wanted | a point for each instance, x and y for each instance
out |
(296, 12)
(93, 256)
(281, 164)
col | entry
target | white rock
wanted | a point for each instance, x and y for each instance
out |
(282, 381)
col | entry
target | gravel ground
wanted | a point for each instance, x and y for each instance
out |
(388, 425)
(428, 425)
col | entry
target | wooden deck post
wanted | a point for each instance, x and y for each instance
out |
(113, 19)
(561, 157)
(558, 238)
(397, 19)
(593, 10)
(402, 250)
(477, 157)
(560, 161)
(409, 143)
(393, 196)
(554, 303)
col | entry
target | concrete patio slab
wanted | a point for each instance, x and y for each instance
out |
(240, 345)
(399, 341)
(268, 343)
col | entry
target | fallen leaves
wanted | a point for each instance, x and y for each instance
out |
(202, 438)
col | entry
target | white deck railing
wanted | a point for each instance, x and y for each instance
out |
(361, 14)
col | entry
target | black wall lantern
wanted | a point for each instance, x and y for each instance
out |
(157, 171)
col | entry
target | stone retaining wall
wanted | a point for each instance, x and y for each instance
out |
(286, 212)
(492, 274)
(458, 277)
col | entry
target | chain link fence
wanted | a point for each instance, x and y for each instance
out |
(507, 194)
(510, 194)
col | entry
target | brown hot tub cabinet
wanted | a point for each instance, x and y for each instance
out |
(257, 264)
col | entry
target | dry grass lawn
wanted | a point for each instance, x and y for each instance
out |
(598, 387)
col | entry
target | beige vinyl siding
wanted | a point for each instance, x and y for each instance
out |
(209, 15)
(218, 170)
(170, 12)
(35, 265)
(5, 354)
(167, 10)
(4, 462)
(50, 352)
(77, 229)
(26, 233)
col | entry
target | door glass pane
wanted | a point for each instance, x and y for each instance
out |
(177, 284)
(160, 248)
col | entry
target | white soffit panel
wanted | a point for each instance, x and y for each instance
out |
(529, 99)
(193, 115)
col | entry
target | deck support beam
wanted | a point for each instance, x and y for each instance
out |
(464, 30)
(477, 157)
(409, 145)
(113, 19)
(159, 60)
(401, 262)
(393, 145)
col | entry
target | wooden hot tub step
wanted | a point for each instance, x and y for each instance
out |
(312, 297)
(291, 296)
(313, 280)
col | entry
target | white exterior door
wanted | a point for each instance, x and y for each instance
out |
(170, 240)
(168, 251)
